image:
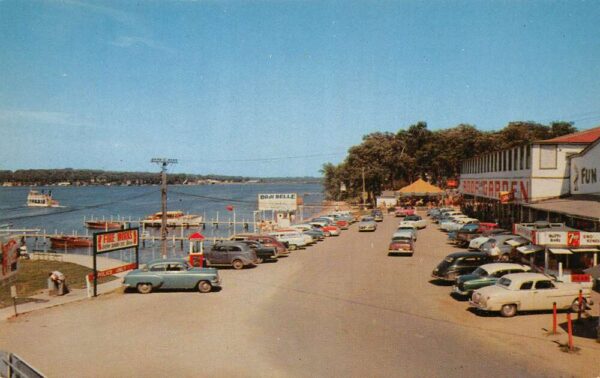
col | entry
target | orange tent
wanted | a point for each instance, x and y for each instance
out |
(420, 188)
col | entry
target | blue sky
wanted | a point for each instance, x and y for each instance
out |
(276, 88)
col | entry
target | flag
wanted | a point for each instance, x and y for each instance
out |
(229, 208)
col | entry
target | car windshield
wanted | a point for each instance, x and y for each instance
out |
(412, 218)
(367, 219)
(480, 272)
(504, 282)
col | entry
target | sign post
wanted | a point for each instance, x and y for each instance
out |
(111, 241)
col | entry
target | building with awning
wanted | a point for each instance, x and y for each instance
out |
(559, 250)
(420, 188)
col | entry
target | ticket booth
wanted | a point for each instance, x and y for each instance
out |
(196, 251)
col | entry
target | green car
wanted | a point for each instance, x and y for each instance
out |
(485, 275)
(173, 273)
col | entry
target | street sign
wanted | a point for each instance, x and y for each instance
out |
(112, 271)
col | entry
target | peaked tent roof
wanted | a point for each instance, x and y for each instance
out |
(420, 187)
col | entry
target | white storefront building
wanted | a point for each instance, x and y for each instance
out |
(532, 174)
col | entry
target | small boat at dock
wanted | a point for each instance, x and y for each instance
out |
(70, 241)
(41, 199)
(102, 225)
(174, 219)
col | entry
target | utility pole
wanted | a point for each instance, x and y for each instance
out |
(163, 162)
(364, 200)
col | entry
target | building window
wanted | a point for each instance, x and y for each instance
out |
(548, 158)
(521, 157)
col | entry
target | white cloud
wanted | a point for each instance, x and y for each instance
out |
(23, 117)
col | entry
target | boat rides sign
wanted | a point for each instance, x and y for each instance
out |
(278, 201)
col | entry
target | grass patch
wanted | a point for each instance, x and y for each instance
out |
(31, 279)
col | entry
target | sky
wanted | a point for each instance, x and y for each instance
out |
(277, 88)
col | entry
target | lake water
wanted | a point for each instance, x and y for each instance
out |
(137, 202)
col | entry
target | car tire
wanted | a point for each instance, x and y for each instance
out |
(259, 260)
(575, 305)
(144, 288)
(508, 310)
(204, 287)
(293, 247)
(237, 264)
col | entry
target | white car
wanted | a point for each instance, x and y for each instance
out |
(406, 231)
(459, 223)
(293, 240)
(529, 292)
(478, 242)
(417, 220)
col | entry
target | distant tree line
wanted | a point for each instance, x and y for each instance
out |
(100, 177)
(392, 160)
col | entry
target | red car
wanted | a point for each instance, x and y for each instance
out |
(401, 246)
(402, 212)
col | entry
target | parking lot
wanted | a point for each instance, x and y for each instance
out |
(339, 308)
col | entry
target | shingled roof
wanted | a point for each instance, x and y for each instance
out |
(581, 137)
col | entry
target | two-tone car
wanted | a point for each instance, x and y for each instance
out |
(172, 273)
(485, 275)
(417, 220)
(401, 245)
(529, 292)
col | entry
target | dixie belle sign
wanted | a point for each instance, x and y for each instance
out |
(112, 241)
(278, 201)
(493, 187)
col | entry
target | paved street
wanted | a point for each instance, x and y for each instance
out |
(341, 308)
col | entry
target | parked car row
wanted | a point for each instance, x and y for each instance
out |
(490, 282)
(240, 251)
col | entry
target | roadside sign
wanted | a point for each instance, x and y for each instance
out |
(13, 291)
(112, 271)
(116, 240)
(110, 241)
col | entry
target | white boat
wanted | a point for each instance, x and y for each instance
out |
(174, 219)
(41, 199)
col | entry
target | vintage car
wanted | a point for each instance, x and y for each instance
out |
(377, 215)
(328, 228)
(291, 239)
(501, 247)
(367, 223)
(263, 253)
(417, 220)
(458, 224)
(485, 275)
(235, 254)
(459, 263)
(265, 240)
(401, 245)
(172, 273)
(402, 212)
(406, 229)
(528, 292)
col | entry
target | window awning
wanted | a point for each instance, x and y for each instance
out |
(576, 250)
(517, 242)
(531, 248)
(560, 251)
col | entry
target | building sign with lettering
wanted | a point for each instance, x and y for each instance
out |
(571, 239)
(494, 188)
(585, 171)
(278, 201)
(116, 240)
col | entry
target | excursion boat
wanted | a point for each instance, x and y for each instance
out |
(41, 199)
(175, 218)
(102, 225)
(70, 242)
